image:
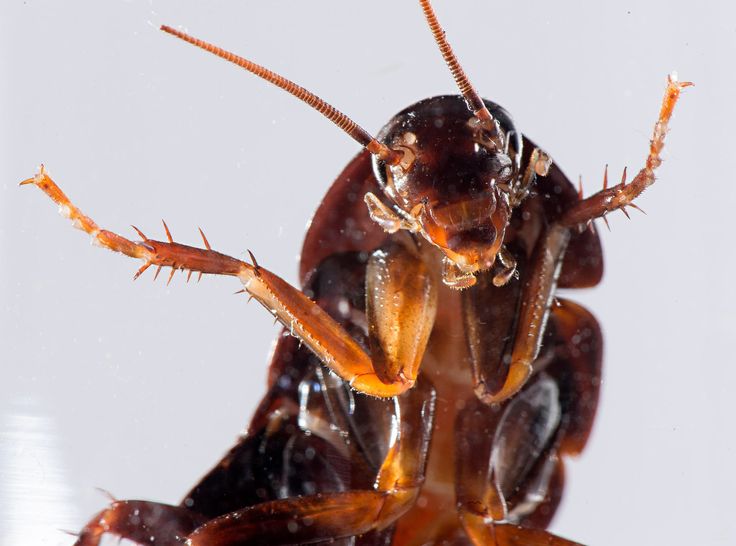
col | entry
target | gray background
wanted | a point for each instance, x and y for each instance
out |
(140, 388)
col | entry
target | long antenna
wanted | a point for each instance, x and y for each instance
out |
(471, 96)
(335, 116)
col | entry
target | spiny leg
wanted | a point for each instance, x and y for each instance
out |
(540, 286)
(328, 516)
(141, 522)
(623, 194)
(394, 366)
(161, 254)
(305, 319)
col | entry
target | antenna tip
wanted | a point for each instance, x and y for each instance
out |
(169, 30)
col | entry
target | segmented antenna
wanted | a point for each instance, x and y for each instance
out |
(471, 96)
(335, 116)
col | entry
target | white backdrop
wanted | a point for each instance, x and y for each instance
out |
(140, 388)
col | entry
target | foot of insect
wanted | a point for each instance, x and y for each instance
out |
(305, 319)
(623, 194)
(141, 522)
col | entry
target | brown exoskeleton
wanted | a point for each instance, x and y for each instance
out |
(433, 292)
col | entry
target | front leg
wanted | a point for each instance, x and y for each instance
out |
(400, 287)
(401, 305)
(541, 281)
(623, 194)
(499, 372)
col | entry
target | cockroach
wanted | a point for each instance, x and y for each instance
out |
(431, 381)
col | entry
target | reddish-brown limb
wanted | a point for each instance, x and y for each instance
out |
(141, 522)
(401, 304)
(516, 535)
(539, 284)
(476, 491)
(305, 319)
(623, 194)
(331, 516)
(489, 319)
(336, 349)
(161, 254)
(505, 464)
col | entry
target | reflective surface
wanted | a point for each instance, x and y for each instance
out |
(36, 499)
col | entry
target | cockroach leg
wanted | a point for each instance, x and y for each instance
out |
(401, 304)
(539, 284)
(141, 522)
(513, 535)
(336, 348)
(161, 254)
(304, 318)
(476, 491)
(523, 461)
(623, 194)
(488, 331)
(330, 516)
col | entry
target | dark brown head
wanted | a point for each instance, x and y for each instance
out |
(449, 164)
(454, 179)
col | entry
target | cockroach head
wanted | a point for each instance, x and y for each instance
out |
(455, 176)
